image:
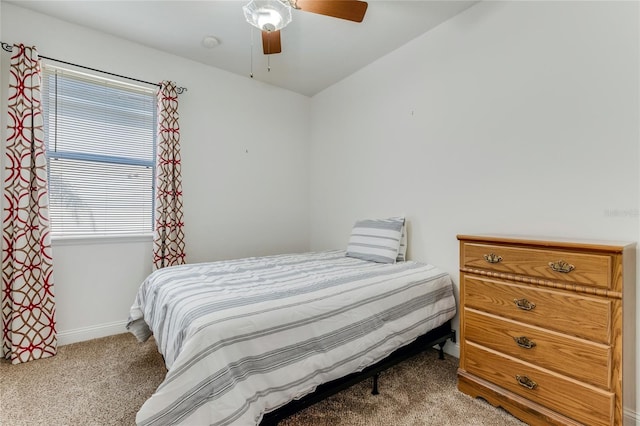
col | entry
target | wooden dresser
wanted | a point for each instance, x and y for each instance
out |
(541, 327)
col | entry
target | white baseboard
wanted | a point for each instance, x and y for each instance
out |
(452, 349)
(631, 418)
(67, 337)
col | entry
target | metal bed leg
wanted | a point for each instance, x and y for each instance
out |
(374, 391)
(441, 351)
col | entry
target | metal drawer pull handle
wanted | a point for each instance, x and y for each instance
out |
(524, 342)
(524, 304)
(492, 258)
(526, 382)
(561, 266)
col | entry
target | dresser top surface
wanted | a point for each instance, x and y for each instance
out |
(550, 242)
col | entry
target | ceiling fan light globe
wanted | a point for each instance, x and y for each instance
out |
(267, 15)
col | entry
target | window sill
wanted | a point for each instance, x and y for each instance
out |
(77, 240)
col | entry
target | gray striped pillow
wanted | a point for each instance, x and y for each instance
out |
(376, 240)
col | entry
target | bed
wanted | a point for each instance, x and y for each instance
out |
(252, 340)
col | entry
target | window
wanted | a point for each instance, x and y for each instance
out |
(100, 138)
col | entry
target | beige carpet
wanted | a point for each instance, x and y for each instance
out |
(104, 382)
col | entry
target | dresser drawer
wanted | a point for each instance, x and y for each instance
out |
(578, 358)
(588, 269)
(561, 311)
(571, 398)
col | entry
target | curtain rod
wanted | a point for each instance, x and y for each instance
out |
(8, 48)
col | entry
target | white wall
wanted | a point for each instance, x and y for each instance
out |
(244, 170)
(513, 117)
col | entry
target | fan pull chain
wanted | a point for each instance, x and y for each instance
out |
(269, 55)
(251, 38)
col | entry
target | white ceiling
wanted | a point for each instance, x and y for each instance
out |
(317, 51)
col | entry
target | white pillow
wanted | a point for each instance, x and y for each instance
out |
(402, 250)
(376, 240)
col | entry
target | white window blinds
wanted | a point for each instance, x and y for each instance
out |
(100, 137)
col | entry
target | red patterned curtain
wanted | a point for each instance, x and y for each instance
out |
(28, 307)
(168, 241)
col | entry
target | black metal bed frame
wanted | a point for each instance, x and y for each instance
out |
(437, 336)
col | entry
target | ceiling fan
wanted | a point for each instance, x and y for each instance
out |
(270, 16)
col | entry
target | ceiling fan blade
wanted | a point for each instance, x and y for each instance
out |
(271, 42)
(351, 10)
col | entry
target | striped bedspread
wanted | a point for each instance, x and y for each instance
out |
(241, 338)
